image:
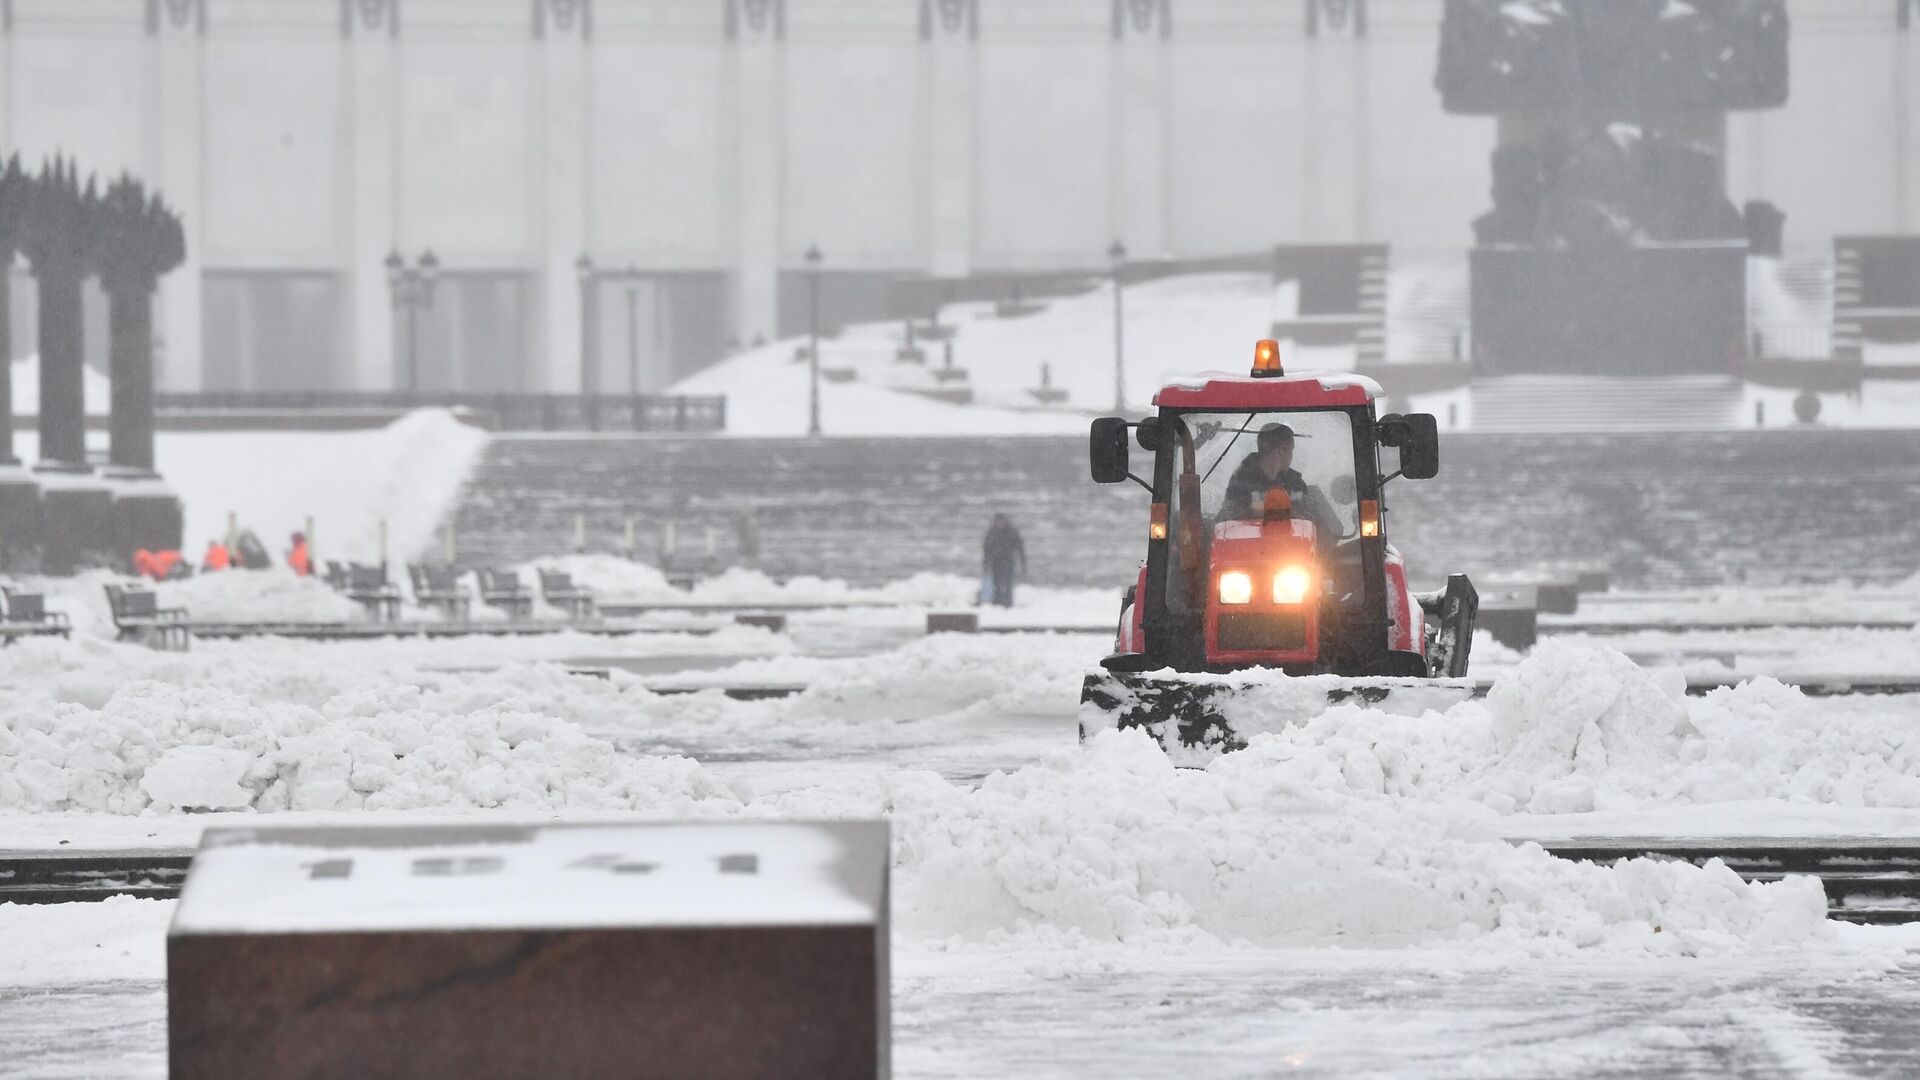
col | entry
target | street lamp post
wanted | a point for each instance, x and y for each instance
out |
(412, 288)
(1118, 254)
(633, 331)
(813, 258)
(589, 377)
(589, 370)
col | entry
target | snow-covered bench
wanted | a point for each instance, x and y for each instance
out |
(441, 588)
(558, 589)
(502, 589)
(24, 614)
(368, 586)
(137, 615)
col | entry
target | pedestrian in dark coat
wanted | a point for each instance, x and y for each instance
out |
(1004, 557)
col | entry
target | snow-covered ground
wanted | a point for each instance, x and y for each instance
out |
(1174, 327)
(1104, 1012)
(96, 389)
(1345, 876)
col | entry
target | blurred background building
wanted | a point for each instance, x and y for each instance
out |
(616, 193)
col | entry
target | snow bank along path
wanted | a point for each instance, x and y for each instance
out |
(1357, 827)
(406, 474)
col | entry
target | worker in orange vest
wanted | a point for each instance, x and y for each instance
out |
(158, 565)
(216, 557)
(165, 563)
(298, 558)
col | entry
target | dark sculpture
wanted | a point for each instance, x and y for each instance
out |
(69, 232)
(62, 229)
(1618, 186)
(140, 241)
(1615, 56)
(1612, 247)
(14, 191)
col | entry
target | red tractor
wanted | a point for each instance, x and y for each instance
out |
(1269, 586)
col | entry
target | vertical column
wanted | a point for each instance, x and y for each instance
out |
(7, 141)
(560, 32)
(62, 410)
(7, 148)
(370, 29)
(1907, 116)
(1334, 206)
(130, 342)
(950, 29)
(1142, 32)
(757, 28)
(179, 32)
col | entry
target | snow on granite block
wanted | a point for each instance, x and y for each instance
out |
(199, 778)
(630, 950)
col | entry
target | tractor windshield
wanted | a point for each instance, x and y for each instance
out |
(1235, 471)
(1315, 465)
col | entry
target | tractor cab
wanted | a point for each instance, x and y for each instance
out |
(1266, 537)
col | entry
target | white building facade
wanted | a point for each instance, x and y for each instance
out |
(692, 150)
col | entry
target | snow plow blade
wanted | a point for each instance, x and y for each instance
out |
(1198, 717)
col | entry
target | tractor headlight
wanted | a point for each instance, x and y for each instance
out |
(1236, 587)
(1290, 585)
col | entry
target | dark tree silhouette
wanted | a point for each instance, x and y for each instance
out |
(139, 241)
(14, 192)
(60, 238)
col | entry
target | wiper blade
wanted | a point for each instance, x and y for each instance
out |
(1229, 447)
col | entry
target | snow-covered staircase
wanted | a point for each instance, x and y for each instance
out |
(1680, 508)
(1429, 307)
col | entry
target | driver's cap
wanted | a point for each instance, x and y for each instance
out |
(1273, 434)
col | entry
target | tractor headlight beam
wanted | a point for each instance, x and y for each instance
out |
(1290, 585)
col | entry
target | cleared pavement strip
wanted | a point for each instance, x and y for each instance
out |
(745, 691)
(1867, 879)
(60, 876)
(319, 631)
(1615, 627)
(1812, 686)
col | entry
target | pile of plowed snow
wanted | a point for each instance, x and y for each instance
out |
(1570, 729)
(279, 725)
(1575, 728)
(931, 677)
(1354, 827)
(614, 578)
(1121, 846)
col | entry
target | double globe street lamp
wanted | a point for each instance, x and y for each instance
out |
(813, 259)
(412, 287)
(589, 341)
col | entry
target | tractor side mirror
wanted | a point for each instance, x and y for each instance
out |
(1417, 435)
(1419, 458)
(1107, 449)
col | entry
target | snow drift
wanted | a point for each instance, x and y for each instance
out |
(1355, 828)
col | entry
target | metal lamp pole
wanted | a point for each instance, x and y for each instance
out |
(1118, 254)
(412, 288)
(813, 258)
(583, 266)
(633, 331)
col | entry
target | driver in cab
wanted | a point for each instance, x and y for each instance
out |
(1270, 466)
